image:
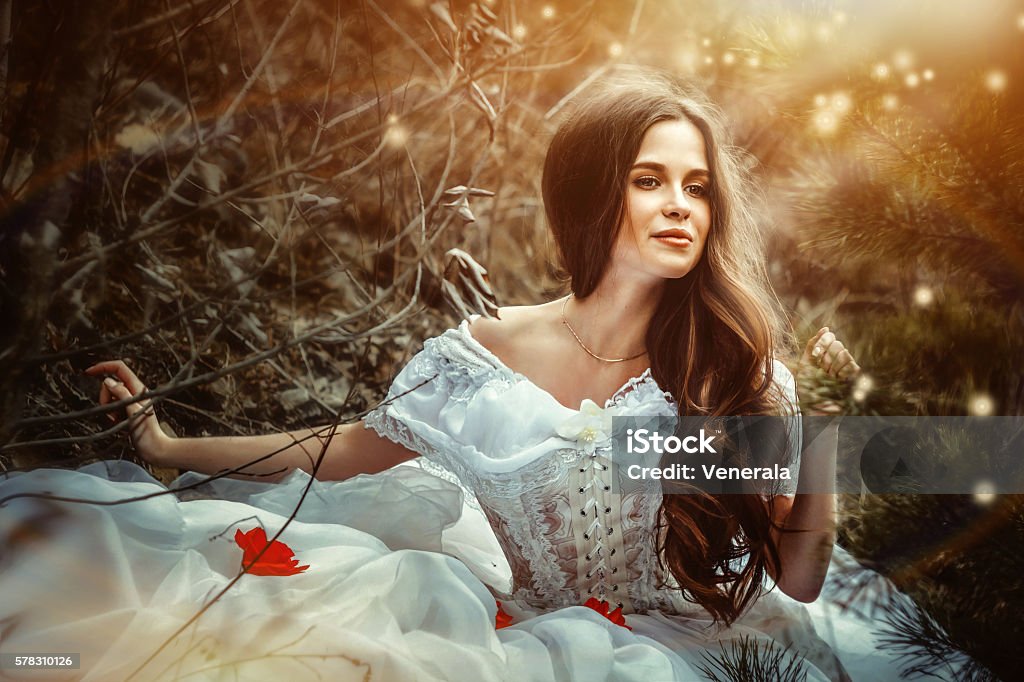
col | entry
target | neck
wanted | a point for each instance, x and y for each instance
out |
(612, 321)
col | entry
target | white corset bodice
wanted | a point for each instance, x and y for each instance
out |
(566, 530)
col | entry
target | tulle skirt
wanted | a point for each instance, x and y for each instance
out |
(400, 586)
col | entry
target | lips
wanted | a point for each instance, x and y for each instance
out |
(674, 237)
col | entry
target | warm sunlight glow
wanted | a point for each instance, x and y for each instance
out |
(903, 60)
(980, 405)
(841, 102)
(826, 123)
(396, 136)
(995, 81)
(984, 492)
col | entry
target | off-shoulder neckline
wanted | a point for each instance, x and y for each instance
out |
(631, 384)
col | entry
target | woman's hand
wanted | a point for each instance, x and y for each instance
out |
(121, 382)
(826, 354)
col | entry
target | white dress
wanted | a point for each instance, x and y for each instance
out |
(405, 566)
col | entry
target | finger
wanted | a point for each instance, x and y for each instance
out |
(808, 354)
(851, 370)
(106, 397)
(105, 367)
(120, 370)
(841, 365)
(120, 392)
(820, 351)
(841, 362)
(831, 352)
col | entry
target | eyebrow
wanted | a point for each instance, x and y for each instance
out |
(660, 167)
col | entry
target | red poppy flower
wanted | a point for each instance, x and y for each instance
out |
(602, 608)
(501, 619)
(277, 560)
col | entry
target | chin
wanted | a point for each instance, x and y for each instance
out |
(674, 270)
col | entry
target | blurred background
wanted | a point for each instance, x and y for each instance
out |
(252, 202)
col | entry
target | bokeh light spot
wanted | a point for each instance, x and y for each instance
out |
(687, 60)
(984, 492)
(995, 81)
(980, 405)
(903, 59)
(864, 383)
(396, 136)
(826, 123)
(841, 102)
(923, 296)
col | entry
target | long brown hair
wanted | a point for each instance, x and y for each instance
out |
(713, 335)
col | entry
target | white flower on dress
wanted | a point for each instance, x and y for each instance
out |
(589, 427)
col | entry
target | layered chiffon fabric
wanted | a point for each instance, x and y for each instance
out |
(401, 585)
(406, 567)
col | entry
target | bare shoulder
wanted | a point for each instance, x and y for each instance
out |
(515, 325)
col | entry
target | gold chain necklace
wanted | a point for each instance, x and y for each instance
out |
(584, 346)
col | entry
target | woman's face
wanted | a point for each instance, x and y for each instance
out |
(668, 205)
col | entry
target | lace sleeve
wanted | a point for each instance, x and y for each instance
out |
(425, 408)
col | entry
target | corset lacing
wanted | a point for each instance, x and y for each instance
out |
(599, 530)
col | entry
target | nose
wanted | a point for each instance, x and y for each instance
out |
(677, 207)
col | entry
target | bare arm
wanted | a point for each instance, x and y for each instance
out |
(352, 449)
(809, 519)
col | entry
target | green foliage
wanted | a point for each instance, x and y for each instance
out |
(960, 558)
(746, 659)
(911, 227)
(929, 650)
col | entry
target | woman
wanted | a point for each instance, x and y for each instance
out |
(670, 314)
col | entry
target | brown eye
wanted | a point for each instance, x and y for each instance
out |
(647, 182)
(701, 190)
